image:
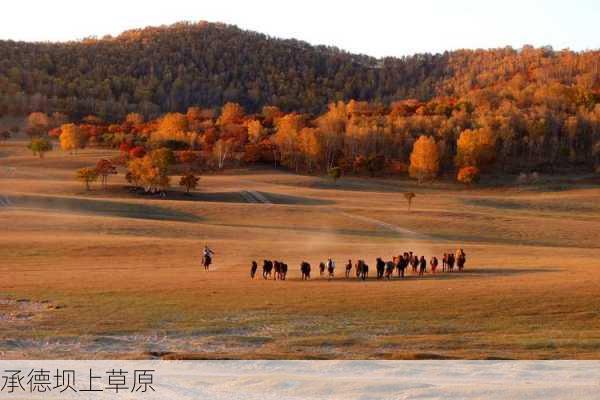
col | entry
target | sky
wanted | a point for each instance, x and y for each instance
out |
(374, 27)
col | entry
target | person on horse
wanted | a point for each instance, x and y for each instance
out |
(207, 255)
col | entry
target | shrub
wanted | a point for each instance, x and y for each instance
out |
(468, 175)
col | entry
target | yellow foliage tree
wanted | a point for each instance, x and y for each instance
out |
(424, 159)
(231, 113)
(475, 148)
(71, 138)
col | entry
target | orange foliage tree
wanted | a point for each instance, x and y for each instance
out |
(424, 159)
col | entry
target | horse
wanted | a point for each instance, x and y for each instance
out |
(321, 268)
(305, 269)
(348, 268)
(283, 271)
(380, 266)
(434, 264)
(330, 269)
(253, 269)
(451, 261)
(444, 262)
(460, 261)
(401, 264)
(206, 261)
(414, 262)
(276, 269)
(422, 265)
(267, 268)
(389, 269)
(363, 270)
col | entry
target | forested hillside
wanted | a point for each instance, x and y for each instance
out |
(232, 96)
(155, 70)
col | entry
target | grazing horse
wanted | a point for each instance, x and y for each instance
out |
(348, 268)
(363, 270)
(389, 269)
(321, 268)
(305, 269)
(253, 269)
(380, 266)
(206, 261)
(267, 268)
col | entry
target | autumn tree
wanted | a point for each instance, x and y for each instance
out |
(231, 113)
(468, 175)
(87, 175)
(134, 119)
(71, 138)
(256, 131)
(39, 146)
(104, 168)
(424, 159)
(222, 150)
(476, 148)
(189, 181)
(37, 124)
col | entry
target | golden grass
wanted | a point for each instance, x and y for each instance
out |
(122, 273)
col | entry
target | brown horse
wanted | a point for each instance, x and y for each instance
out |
(206, 261)
(348, 268)
(460, 261)
(253, 269)
(389, 269)
(305, 269)
(380, 267)
(267, 268)
(363, 270)
(321, 268)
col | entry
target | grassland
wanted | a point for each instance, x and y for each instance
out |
(108, 273)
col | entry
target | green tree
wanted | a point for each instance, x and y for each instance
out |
(335, 173)
(39, 146)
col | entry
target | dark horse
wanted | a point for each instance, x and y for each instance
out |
(283, 268)
(267, 268)
(362, 270)
(348, 268)
(206, 261)
(305, 269)
(380, 266)
(277, 270)
(253, 269)
(321, 268)
(389, 269)
(460, 261)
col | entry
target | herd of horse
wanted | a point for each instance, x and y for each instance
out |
(277, 270)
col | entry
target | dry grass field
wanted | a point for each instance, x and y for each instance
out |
(108, 273)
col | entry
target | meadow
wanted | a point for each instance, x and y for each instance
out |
(110, 274)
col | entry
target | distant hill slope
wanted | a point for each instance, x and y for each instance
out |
(155, 70)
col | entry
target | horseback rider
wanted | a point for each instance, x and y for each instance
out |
(207, 255)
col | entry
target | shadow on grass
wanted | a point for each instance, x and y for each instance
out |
(101, 207)
(466, 274)
(231, 197)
